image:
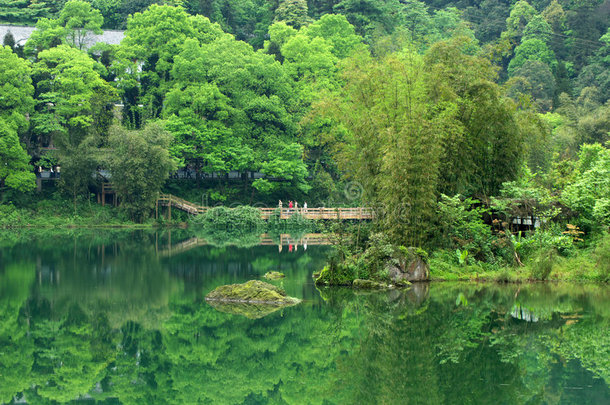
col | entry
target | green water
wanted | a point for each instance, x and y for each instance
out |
(111, 317)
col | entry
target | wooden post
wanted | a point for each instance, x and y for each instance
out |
(170, 208)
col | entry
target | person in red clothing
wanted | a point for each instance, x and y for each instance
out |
(290, 206)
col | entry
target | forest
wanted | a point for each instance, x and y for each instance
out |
(478, 131)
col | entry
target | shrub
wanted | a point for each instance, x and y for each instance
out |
(602, 259)
(505, 276)
(244, 218)
(542, 266)
(463, 227)
(552, 238)
(376, 257)
(336, 274)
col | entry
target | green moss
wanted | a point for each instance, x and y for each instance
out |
(368, 284)
(254, 291)
(402, 283)
(335, 275)
(274, 275)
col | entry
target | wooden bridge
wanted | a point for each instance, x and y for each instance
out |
(358, 213)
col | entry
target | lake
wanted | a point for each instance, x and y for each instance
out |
(119, 317)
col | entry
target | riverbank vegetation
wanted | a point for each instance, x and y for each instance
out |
(477, 132)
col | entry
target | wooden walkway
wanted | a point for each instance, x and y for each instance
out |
(358, 213)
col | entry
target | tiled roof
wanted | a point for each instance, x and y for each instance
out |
(22, 33)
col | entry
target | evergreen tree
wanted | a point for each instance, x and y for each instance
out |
(292, 12)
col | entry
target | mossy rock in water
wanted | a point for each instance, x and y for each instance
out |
(368, 284)
(252, 292)
(273, 275)
(253, 299)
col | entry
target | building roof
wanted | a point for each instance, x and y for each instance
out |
(22, 33)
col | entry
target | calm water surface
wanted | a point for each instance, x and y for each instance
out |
(116, 317)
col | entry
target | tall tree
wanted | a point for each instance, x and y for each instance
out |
(16, 89)
(140, 163)
(371, 17)
(16, 102)
(70, 93)
(80, 20)
(535, 79)
(292, 12)
(74, 26)
(152, 40)
(74, 109)
(15, 169)
(489, 131)
(232, 108)
(597, 72)
(394, 141)
(532, 49)
(520, 15)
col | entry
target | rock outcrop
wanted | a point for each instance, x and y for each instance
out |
(414, 268)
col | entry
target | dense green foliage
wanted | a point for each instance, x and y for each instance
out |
(240, 219)
(15, 103)
(477, 129)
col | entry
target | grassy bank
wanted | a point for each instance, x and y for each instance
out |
(589, 264)
(90, 217)
(550, 254)
(55, 211)
(52, 210)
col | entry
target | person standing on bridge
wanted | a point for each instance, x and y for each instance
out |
(290, 206)
(305, 207)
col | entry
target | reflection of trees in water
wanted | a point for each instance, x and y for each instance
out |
(136, 329)
(453, 354)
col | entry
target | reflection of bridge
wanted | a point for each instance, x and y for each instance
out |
(170, 201)
(309, 239)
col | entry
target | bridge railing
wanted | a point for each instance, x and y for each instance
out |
(321, 213)
(266, 213)
(180, 203)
